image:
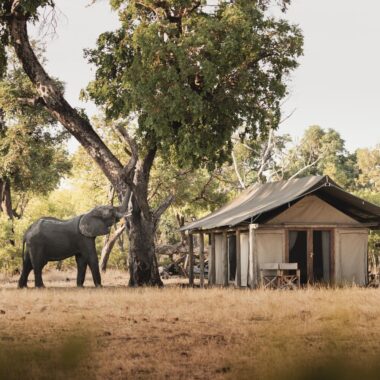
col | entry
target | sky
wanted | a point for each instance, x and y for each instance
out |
(336, 85)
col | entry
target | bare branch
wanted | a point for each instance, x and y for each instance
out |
(306, 167)
(106, 251)
(163, 207)
(287, 117)
(266, 155)
(241, 182)
(131, 141)
(203, 191)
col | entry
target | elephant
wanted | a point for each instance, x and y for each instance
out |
(51, 239)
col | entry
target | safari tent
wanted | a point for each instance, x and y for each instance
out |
(310, 221)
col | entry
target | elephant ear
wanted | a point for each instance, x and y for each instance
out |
(91, 226)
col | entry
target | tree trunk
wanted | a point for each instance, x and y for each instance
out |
(1, 194)
(7, 199)
(143, 266)
(6, 202)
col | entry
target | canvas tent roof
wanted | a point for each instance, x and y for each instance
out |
(261, 200)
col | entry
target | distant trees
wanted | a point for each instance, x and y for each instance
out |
(273, 157)
(368, 162)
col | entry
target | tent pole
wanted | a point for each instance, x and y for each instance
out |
(212, 270)
(238, 259)
(191, 260)
(225, 259)
(202, 259)
(253, 264)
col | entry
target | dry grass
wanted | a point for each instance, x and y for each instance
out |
(178, 333)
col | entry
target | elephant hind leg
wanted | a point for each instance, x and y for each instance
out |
(26, 269)
(38, 277)
(82, 267)
(38, 261)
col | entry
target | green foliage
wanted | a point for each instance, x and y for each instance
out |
(369, 168)
(10, 255)
(374, 197)
(322, 152)
(29, 8)
(32, 150)
(194, 77)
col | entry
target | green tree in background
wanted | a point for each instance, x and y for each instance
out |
(320, 152)
(368, 161)
(33, 158)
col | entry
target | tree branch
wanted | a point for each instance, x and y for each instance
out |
(241, 182)
(131, 165)
(163, 207)
(55, 102)
(195, 4)
(306, 167)
(106, 251)
(265, 156)
(148, 162)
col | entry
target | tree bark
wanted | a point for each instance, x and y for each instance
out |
(7, 199)
(1, 194)
(143, 266)
(133, 177)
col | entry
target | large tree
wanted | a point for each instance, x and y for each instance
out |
(190, 76)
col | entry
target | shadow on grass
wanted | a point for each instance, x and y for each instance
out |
(336, 369)
(329, 369)
(37, 362)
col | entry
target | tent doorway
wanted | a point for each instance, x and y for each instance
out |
(311, 249)
(321, 256)
(298, 252)
(231, 258)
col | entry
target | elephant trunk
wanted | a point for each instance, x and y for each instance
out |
(122, 209)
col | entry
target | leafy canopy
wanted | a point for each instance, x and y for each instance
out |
(191, 76)
(32, 146)
(29, 8)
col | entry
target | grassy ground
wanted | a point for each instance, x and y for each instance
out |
(179, 333)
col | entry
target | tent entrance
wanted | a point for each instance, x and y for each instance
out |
(298, 252)
(311, 249)
(321, 256)
(231, 258)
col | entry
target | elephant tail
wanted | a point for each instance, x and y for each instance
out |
(23, 249)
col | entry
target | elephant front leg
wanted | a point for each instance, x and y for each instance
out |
(94, 266)
(82, 267)
(88, 251)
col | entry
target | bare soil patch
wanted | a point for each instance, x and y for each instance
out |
(180, 333)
